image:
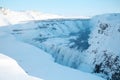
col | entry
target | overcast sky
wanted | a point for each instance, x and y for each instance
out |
(65, 7)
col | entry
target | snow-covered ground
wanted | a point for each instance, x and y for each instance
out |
(10, 70)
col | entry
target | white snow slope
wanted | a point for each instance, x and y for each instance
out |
(10, 70)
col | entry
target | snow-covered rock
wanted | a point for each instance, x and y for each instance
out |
(104, 52)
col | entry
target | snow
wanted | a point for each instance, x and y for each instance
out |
(15, 17)
(3, 21)
(38, 63)
(10, 70)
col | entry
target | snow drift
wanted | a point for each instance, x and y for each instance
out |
(10, 70)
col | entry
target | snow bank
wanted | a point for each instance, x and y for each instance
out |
(10, 70)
